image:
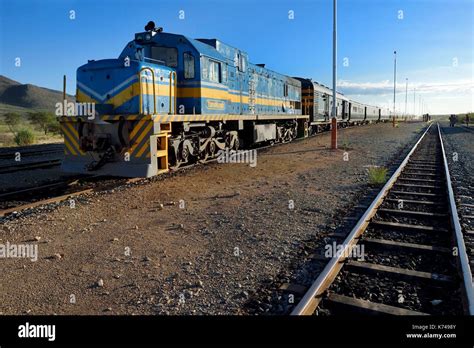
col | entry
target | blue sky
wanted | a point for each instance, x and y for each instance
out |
(433, 38)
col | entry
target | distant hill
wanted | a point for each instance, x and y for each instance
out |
(29, 96)
(5, 83)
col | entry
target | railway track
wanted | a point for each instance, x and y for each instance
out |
(10, 153)
(18, 194)
(23, 199)
(29, 166)
(27, 157)
(406, 254)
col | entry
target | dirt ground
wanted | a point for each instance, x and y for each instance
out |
(203, 241)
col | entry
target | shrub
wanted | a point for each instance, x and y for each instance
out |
(377, 175)
(12, 120)
(42, 120)
(54, 127)
(24, 137)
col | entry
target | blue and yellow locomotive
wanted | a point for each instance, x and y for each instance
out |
(169, 100)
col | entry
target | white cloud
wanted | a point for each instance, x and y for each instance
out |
(442, 89)
(386, 87)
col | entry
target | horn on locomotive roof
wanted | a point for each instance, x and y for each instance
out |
(151, 27)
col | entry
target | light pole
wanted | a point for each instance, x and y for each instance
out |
(334, 76)
(406, 95)
(414, 101)
(394, 83)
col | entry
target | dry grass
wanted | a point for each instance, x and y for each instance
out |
(377, 175)
(6, 136)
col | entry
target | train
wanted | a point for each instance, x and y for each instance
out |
(169, 101)
(317, 102)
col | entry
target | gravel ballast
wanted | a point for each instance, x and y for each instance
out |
(459, 147)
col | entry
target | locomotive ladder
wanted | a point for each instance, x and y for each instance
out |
(160, 138)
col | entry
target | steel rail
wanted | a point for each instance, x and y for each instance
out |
(31, 148)
(11, 155)
(462, 254)
(29, 166)
(57, 184)
(32, 189)
(312, 297)
(56, 199)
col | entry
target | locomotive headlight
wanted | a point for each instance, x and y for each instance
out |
(147, 37)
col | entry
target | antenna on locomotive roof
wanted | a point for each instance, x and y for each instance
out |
(151, 27)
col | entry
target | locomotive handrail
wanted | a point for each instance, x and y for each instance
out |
(140, 88)
(173, 74)
(175, 92)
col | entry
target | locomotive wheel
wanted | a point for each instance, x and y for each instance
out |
(184, 154)
(293, 134)
(183, 159)
(236, 144)
(289, 135)
(212, 149)
(208, 153)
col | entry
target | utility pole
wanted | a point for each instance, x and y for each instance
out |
(64, 95)
(334, 76)
(394, 83)
(406, 95)
(414, 101)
